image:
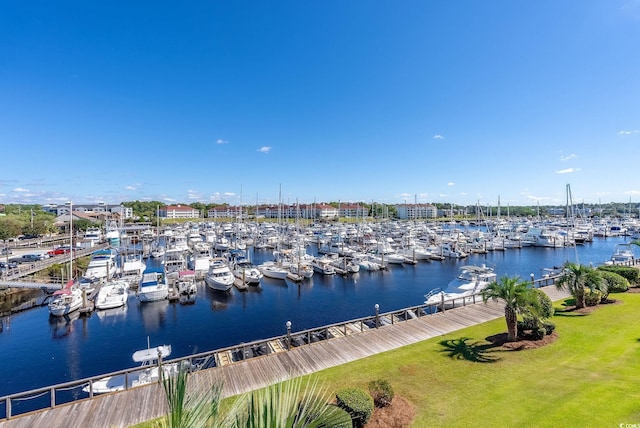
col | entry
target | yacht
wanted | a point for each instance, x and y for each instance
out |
(273, 271)
(153, 285)
(186, 283)
(623, 253)
(471, 280)
(113, 294)
(219, 276)
(132, 269)
(102, 265)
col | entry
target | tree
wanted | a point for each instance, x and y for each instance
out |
(518, 296)
(575, 278)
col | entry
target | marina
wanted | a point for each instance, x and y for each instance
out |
(86, 346)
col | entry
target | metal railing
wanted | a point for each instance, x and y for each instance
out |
(52, 396)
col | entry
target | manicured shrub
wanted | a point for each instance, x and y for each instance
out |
(616, 283)
(631, 274)
(546, 305)
(538, 333)
(381, 392)
(592, 297)
(358, 403)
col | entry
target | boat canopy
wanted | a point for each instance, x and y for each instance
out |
(151, 354)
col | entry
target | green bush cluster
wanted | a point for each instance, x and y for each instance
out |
(592, 297)
(616, 283)
(357, 402)
(534, 328)
(546, 305)
(631, 274)
(381, 392)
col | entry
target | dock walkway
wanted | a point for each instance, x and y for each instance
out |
(123, 409)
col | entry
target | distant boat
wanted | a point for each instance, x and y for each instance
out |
(153, 285)
(273, 271)
(186, 283)
(622, 253)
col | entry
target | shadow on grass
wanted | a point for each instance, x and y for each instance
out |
(465, 349)
(568, 309)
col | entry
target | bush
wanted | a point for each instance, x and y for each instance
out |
(631, 274)
(538, 333)
(592, 297)
(381, 392)
(546, 305)
(616, 283)
(534, 328)
(357, 402)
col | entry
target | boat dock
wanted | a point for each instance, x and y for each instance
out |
(293, 355)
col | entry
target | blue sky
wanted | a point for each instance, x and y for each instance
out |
(392, 101)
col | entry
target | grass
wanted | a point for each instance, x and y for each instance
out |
(588, 377)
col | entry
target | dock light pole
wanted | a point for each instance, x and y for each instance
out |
(288, 324)
(377, 308)
(533, 278)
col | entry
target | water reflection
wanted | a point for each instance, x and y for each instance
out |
(154, 315)
(63, 326)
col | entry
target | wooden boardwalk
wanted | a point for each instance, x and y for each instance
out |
(130, 407)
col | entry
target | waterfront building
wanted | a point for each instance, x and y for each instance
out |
(178, 211)
(414, 211)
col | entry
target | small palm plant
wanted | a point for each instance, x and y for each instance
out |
(519, 297)
(575, 278)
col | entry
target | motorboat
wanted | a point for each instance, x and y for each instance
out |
(471, 280)
(244, 270)
(186, 283)
(66, 300)
(273, 271)
(132, 269)
(623, 253)
(148, 373)
(219, 276)
(153, 285)
(322, 265)
(102, 265)
(112, 294)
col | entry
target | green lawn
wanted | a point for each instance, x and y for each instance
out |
(589, 377)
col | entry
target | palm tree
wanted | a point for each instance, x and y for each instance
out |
(518, 296)
(575, 278)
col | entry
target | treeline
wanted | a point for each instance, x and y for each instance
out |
(27, 220)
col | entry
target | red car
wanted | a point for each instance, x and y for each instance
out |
(58, 251)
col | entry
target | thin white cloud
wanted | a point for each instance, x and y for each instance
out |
(20, 190)
(221, 141)
(264, 149)
(567, 171)
(405, 195)
(566, 158)
(438, 137)
(451, 183)
(632, 192)
(229, 194)
(537, 198)
(169, 200)
(625, 132)
(134, 186)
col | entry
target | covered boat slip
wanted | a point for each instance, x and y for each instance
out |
(140, 404)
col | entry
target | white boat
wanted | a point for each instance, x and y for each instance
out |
(219, 276)
(174, 262)
(186, 283)
(273, 271)
(157, 252)
(148, 373)
(102, 265)
(623, 253)
(244, 270)
(113, 294)
(153, 285)
(323, 266)
(471, 280)
(65, 301)
(132, 269)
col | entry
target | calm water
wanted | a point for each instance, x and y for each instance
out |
(36, 350)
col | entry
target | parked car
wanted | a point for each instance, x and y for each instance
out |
(6, 250)
(59, 250)
(28, 258)
(10, 265)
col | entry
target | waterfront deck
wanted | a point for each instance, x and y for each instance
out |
(136, 405)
